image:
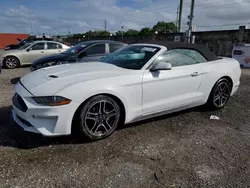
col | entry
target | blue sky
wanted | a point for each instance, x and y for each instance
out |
(62, 16)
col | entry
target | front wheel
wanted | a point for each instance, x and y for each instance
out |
(99, 117)
(11, 62)
(220, 94)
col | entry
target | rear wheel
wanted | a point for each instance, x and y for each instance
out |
(99, 117)
(11, 62)
(220, 94)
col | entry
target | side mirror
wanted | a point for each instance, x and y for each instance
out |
(28, 50)
(161, 66)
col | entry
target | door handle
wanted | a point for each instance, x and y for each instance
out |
(42, 51)
(195, 74)
(59, 50)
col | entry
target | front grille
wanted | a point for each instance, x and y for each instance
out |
(19, 103)
(28, 124)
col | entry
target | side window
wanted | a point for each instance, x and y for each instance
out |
(96, 49)
(38, 46)
(114, 47)
(238, 52)
(59, 46)
(51, 46)
(181, 57)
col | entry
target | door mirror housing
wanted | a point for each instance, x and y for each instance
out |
(161, 66)
(28, 50)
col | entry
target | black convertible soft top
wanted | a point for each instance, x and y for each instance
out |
(204, 50)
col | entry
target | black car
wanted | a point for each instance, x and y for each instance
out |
(85, 51)
(24, 41)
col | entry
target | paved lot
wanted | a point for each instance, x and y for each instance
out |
(185, 149)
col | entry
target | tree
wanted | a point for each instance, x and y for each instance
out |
(100, 33)
(165, 27)
(103, 33)
(77, 35)
(145, 31)
(131, 32)
(119, 33)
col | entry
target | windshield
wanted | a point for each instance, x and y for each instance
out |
(131, 57)
(22, 42)
(25, 46)
(77, 48)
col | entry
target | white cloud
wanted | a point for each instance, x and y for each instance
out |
(82, 15)
(144, 2)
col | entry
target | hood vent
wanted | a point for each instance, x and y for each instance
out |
(53, 76)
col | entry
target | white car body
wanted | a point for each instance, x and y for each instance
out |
(142, 93)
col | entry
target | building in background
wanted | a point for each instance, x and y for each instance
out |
(11, 38)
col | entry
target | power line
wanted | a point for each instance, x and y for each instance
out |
(215, 5)
(142, 15)
(134, 16)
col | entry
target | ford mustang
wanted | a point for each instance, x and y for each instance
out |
(136, 82)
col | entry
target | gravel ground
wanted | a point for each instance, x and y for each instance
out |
(184, 149)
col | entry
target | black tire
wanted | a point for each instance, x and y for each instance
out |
(220, 94)
(104, 121)
(11, 62)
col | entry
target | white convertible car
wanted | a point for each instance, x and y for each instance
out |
(134, 83)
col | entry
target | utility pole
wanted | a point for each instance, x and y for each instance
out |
(190, 23)
(105, 25)
(122, 32)
(180, 15)
(31, 27)
(177, 19)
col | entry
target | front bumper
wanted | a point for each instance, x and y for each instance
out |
(235, 88)
(46, 120)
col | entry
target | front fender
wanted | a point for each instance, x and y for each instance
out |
(129, 94)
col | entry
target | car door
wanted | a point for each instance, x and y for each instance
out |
(34, 52)
(178, 87)
(53, 48)
(114, 47)
(95, 52)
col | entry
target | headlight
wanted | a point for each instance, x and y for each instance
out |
(51, 100)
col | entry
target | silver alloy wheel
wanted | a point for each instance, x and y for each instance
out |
(100, 118)
(221, 94)
(11, 62)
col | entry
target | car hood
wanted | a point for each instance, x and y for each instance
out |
(50, 80)
(49, 58)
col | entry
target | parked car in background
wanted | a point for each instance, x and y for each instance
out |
(85, 51)
(136, 82)
(241, 52)
(30, 52)
(28, 40)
